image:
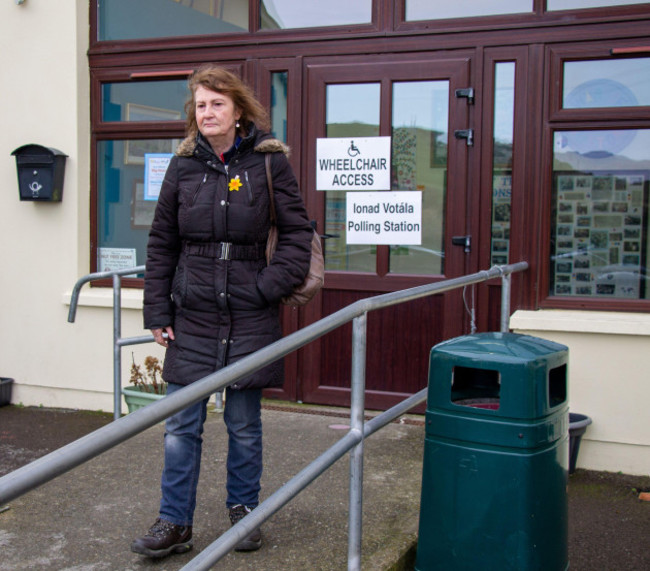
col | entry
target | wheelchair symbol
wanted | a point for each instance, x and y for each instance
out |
(353, 151)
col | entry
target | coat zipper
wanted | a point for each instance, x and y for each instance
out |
(198, 188)
(248, 188)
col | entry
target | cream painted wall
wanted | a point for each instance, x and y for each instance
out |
(609, 358)
(45, 100)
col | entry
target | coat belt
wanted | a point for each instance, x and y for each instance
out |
(225, 250)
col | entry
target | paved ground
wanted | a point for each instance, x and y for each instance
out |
(85, 520)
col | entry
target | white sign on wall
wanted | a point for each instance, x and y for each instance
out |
(353, 164)
(115, 259)
(384, 217)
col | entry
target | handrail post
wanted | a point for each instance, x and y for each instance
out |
(357, 409)
(117, 348)
(506, 280)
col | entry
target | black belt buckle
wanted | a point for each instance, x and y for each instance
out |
(225, 250)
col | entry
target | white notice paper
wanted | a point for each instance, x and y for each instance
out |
(115, 259)
(384, 217)
(155, 167)
(353, 164)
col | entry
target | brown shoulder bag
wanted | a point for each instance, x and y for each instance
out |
(315, 277)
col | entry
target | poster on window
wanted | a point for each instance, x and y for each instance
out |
(155, 167)
(600, 234)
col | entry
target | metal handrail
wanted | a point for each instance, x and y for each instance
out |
(118, 341)
(56, 463)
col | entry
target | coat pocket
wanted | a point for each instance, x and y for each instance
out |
(179, 287)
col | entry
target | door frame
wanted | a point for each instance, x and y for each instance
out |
(385, 69)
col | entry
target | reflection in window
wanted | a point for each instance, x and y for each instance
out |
(578, 4)
(427, 10)
(352, 110)
(288, 14)
(127, 197)
(419, 139)
(279, 105)
(144, 101)
(129, 20)
(599, 221)
(503, 133)
(623, 82)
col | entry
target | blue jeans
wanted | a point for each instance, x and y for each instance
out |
(183, 443)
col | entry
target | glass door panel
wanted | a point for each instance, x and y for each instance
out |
(420, 118)
(352, 110)
(502, 143)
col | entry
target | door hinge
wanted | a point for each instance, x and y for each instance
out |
(467, 134)
(468, 93)
(465, 241)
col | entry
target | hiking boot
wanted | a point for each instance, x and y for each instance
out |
(254, 540)
(164, 538)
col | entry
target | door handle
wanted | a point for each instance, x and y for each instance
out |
(465, 241)
(467, 134)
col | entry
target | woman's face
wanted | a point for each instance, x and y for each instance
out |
(216, 116)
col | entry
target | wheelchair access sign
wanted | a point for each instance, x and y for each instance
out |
(353, 164)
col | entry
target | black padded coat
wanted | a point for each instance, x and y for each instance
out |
(222, 300)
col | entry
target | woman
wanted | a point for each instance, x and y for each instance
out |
(208, 287)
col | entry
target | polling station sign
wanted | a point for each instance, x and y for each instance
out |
(384, 217)
(353, 164)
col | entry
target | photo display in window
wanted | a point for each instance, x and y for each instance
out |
(501, 203)
(599, 234)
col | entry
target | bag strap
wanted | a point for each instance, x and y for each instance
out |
(269, 184)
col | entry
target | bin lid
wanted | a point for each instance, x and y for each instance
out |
(501, 347)
(518, 376)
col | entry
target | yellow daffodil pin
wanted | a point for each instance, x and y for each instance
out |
(234, 184)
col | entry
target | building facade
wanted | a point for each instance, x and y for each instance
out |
(521, 127)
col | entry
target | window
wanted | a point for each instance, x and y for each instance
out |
(502, 141)
(620, 82)
(599, 222)
(279, 104)
(601, 180)
(427, 10)
(420, 131)
(287, 14)
(144, 101)
(129, 20)
(577, 4)
(129, 174)
(352, 111)
(142, 124)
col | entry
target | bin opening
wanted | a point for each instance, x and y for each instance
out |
(476, 388)
(557, 386)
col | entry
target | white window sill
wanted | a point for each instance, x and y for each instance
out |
(103, 297)
(612, 323)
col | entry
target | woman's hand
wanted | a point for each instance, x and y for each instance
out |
(158, 335)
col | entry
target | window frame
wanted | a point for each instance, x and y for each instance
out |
(559, 119)
(388, 16)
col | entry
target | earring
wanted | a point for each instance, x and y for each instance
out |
(237, 125)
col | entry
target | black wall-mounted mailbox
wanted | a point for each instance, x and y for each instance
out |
(40, 173)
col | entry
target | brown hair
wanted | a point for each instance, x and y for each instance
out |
(218, 79)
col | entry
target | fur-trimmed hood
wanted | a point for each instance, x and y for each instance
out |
(265, 144)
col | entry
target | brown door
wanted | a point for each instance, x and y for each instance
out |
(412, 100)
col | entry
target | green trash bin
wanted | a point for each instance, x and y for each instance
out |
(495, 472)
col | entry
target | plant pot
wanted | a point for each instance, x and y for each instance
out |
(5, 390)
(137, 397)
(577, 426)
